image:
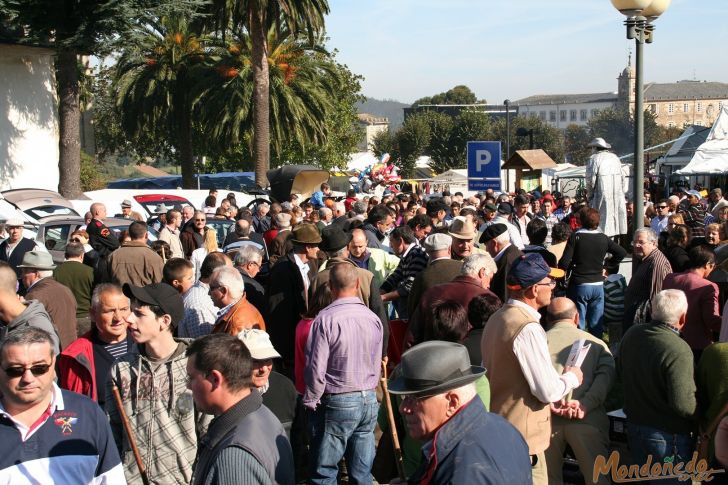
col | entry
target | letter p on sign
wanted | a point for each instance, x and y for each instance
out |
(482, 158)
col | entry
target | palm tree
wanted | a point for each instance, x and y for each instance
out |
(258, 16)
(153, 86)
(303, 83)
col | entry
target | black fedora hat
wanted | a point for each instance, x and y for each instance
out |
(434, 367)
(333, 238)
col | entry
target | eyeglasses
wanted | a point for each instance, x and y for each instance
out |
(75, 239)
(661, 206)
(200, 220)
(410, 399)
(36, 370)
(551, 284)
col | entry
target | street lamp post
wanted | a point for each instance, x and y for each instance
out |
(507, 102)
(640, 15)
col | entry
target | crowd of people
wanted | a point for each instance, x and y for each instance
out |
(258, 359)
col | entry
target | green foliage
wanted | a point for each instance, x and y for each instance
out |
(386, 142)
(576, 139)
(458, 95)
(545, 137)
(616, 126)
(91, 177)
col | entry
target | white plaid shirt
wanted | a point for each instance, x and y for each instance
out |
(200, 312)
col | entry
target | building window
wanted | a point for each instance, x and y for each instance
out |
(533, 114)
(552, 115)
(572, 115)
(542, 115)
(594, 112)
(671, 124)
(699, 123)
(686, 107)
(699, 107)
(562, 115)
(671, 108)
(686, 124)
(582, 115)
(653, 108)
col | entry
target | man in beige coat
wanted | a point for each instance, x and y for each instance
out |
(581, 420)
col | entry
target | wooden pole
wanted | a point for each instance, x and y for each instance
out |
(129, 434)
(398, 459)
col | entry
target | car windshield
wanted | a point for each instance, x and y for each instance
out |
(50, 210)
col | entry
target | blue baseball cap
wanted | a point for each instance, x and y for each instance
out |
(528, 270)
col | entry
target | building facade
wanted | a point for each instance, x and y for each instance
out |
(371, 126)
(677, 104)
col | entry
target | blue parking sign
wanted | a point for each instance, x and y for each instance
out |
(484, 165)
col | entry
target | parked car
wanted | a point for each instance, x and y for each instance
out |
(55, 231)
(222, 227)
(39, 203)
(150, 202)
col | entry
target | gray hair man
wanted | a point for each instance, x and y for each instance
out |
(647, 277)
(656, 366)
(474, 280)
(248, 260)
(227, 291)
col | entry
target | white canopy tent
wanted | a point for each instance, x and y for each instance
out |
(711, 158)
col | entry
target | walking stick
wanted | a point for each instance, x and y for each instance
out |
(398, 459)
(129, 434)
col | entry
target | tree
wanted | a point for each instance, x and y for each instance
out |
(386, 142)
(305, 84)
(458, 95)
(616, 126)
(258, 16)
(576, 139)
(413, 139)
(153, 86)
(545, 137)
(83, 27)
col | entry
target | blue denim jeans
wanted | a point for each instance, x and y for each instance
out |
(589, 301)
(646, 440)
(343, 426)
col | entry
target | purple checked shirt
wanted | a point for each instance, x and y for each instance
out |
(343, 351)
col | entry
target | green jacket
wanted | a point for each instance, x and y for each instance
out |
(598, 368)
(656, 366)
(712, 381)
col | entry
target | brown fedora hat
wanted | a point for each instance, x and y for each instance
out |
(306, 234)
(461, 228)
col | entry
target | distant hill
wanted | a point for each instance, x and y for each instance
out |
(384, 107)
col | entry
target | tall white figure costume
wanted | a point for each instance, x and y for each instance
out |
(605, 189)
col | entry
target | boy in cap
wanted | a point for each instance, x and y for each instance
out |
(153, 389)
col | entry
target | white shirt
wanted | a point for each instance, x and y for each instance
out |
(658, 225)
(513, 232)
(303, 269)
(532, 351)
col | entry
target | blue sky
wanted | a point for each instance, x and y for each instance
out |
(510, 49)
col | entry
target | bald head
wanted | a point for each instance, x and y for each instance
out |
(98, 210)
(8, 278)
(242, 228)
(343, 280)
(561, 308)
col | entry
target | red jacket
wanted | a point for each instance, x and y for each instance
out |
(76, 369)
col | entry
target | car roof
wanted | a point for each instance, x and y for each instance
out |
(26, 199)
(147, 198)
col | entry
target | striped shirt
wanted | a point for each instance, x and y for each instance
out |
(117, 350)
(614, 288)
(343, 351)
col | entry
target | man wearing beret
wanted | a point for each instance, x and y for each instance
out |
(463, 442)
(498, 244)
(514, 348)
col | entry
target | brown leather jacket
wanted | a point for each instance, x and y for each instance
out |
(240, 316)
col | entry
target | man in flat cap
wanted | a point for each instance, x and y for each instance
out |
(515, 351)
(440, 407)
(605, 188)
(441, 268)
(498, 244)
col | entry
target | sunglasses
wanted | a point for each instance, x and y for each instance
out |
(661, 206)
(75, 239)
(36, 370)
